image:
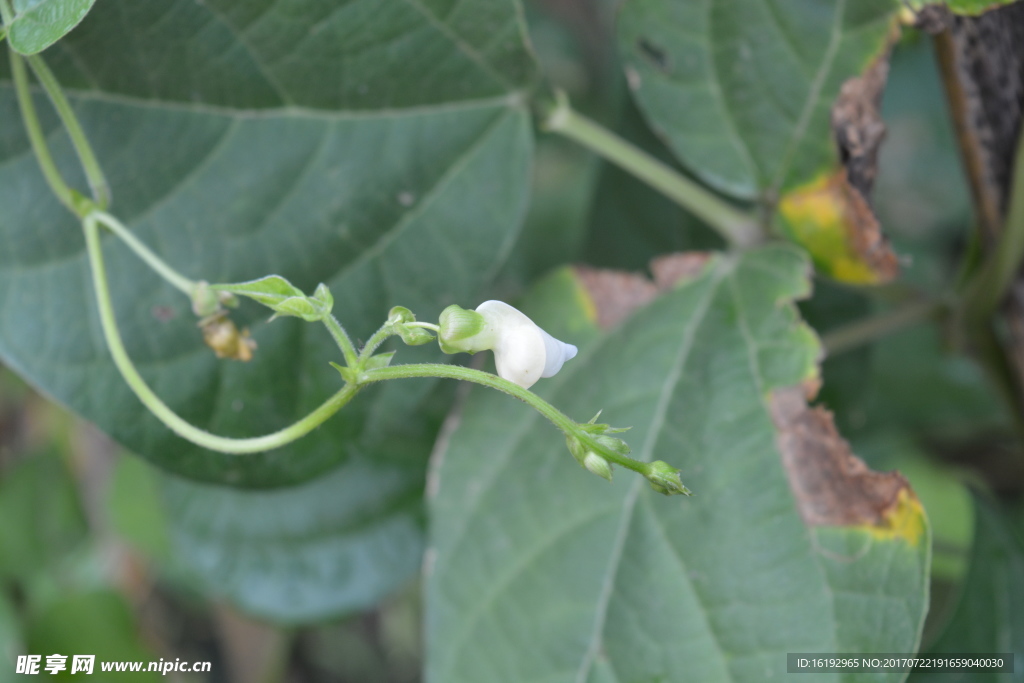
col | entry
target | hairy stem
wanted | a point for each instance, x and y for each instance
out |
(145, 253)
(343, 341)
(737, 227)
(93, 173)
(378, 338)
(865, 331)
(35, 135)
(567, 425)
(159, 408)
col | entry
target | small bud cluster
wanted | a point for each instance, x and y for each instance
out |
(399, 318)
(599, 432)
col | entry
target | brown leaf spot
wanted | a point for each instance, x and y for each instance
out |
(857, 122)
(673, 269)
(617, 294)
(865, 234)
(831, 485)
(164, 313)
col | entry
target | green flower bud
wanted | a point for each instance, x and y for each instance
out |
(614, 444)
(665, 479)
(205, 301)
(324, 298)
(414, 336)
(400, 314)
(463, 331)
(576, 447)
(598, 465)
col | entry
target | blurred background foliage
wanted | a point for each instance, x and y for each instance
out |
(87, 562)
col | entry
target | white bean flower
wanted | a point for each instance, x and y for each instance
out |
(523, 352)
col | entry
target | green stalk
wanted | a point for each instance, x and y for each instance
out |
(567, 425)
(987, 291)
(93, 173)
(865, 331)
(739, 228)
(178, 425)
(145, 253)
(343, 341)
(37, 139)
(426, 326)
(378, 338)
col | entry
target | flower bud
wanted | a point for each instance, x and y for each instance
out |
(398, 317)
(598, 465)
(665, 479)
(462, 331)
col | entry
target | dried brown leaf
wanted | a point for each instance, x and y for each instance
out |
(831, 485)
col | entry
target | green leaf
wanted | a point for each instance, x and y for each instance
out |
(331, 546)
(389, 159)
(743, 93)
(362, 56)
(742, 89)
(269, 291)
(604, 581)
(97, 622)
(38, 24)
(10, 641)
(135, 511)
(990, 615)
(41, 520)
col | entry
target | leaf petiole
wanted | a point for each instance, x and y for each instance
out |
(93, 173)
(160, 266)
(343, 341)
(36, 138)
(739, 228)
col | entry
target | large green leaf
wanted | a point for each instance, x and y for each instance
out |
(10, 641)
(330, 546)
(37, 24)
(389, 158)
(612, 582)
(742, 89)
(989, 617)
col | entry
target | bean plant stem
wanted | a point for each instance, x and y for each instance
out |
(343, 341)
(1003, 264)
(557, 417)
(378, 338)
(93, 173)
(145, 253)
(177, 424)
(737, 227)
(861, 332)
(36, 137)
